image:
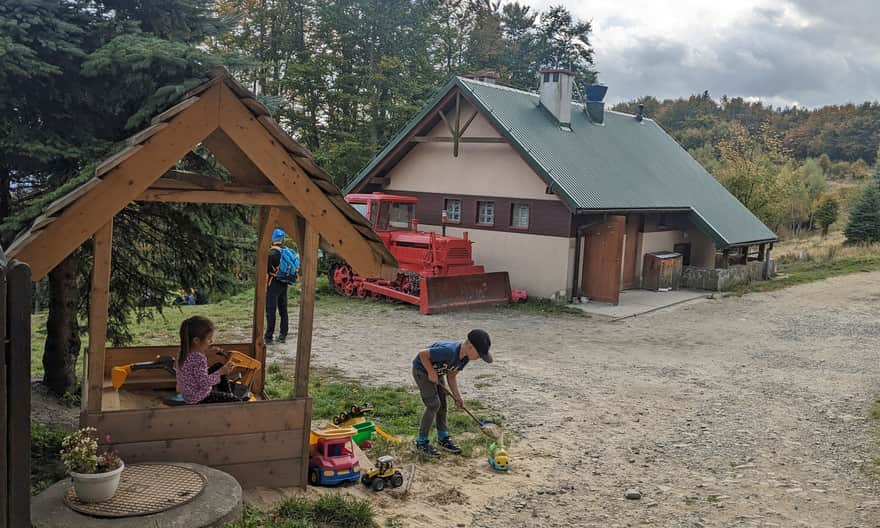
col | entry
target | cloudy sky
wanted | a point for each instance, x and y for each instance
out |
(784, 52)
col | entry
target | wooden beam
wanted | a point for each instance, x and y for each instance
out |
(308, 278)
(99, 305)
(213, 197)
(443, 117)
(202, 421)
(121, 186)
(309, 200)
(202, 181)
(233, 159)
(268, 221)
(445, 139)
(457, 134)
(468, 123)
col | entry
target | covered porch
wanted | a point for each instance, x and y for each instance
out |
(614, 252)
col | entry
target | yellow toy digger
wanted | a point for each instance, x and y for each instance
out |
(241, 378)
(383, 474)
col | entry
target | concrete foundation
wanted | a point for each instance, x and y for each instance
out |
(638, 302)
(724, 279)
(218, 504)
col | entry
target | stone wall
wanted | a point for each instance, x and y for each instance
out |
(723, 279)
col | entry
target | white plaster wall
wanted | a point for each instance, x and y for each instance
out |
(657, 241)
(481, 169)
(702, 249)
(539, 264)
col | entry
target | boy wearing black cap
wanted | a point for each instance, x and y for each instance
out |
(431, 367)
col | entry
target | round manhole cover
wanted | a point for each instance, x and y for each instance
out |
(144, 489)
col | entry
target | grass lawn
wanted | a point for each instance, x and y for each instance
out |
(820, 263)
(328, 511)
(397, 411)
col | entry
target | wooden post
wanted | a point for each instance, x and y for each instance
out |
(455, 133)
(18, 386)
(761, 254)
(725, 258)
(99, 303)
(268, 219)
(4, 398)
(765, 273)
(309, 276)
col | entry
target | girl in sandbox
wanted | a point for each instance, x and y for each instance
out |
(194, 379)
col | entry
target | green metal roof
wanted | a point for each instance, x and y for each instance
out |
(623, 164)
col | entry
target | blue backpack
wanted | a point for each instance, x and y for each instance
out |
(286, 272)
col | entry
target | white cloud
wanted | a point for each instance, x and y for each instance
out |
(809, 52)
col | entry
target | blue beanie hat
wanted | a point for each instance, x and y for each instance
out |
(278, 235)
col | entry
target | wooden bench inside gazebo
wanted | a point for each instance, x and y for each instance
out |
(261, 443)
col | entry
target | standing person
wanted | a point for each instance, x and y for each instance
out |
(283, 267)
(431, 367)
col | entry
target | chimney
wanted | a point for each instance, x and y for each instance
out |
(641, 114)
(556, 93)
(488, 77)
(595, 105)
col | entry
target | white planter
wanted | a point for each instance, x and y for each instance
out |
(96, 487)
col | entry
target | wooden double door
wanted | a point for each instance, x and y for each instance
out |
(611, 252)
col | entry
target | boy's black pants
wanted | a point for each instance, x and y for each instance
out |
(276, 299)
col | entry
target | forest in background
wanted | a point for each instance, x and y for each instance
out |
(78, 76)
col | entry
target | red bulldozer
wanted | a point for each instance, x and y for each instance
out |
(437, 272)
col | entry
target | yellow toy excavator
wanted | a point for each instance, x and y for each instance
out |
(120, 374)
(241, 377)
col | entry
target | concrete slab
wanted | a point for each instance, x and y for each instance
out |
(218, 504)
(639, 302)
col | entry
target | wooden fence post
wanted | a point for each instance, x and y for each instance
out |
(17, 395)
(309, 275)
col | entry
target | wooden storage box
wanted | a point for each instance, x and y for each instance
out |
(661, 271)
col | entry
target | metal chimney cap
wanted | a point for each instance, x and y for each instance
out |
(595, 92)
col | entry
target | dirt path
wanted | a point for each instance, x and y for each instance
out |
(737, 412)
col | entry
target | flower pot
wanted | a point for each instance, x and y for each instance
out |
(96, 487)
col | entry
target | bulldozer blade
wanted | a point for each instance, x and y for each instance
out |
(457, 292)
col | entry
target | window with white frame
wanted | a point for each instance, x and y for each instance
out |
(519, 216)
(486, 213)
(452, 208)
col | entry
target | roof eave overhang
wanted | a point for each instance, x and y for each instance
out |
(701, 224)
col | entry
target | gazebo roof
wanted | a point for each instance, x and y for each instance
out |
(269, 167)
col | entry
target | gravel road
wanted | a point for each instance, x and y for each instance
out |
(751, 411)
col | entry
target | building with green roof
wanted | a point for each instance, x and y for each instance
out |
(566, 196)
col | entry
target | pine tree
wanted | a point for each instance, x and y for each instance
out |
(79, 77)
(864, 219)
(827, 213)
(564, 42)
(518, 30)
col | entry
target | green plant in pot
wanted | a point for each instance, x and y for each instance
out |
(95, 475)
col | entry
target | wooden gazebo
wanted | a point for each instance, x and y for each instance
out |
(263, 443)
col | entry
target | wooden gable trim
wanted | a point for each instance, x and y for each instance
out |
(119, 187)
(406, 143)
(273, 160)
